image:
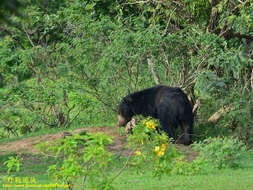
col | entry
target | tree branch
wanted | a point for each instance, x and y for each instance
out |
(251, 79)
(217, 115)
(154, 73)
(96, 93)
(213, 16)
(13, 37)
(196, 107)
(126, 164)
(238, 35)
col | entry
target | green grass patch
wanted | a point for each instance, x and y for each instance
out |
(233, 179)
(240, 179)
(31, 164)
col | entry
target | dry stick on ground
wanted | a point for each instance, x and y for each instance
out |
(154, 73)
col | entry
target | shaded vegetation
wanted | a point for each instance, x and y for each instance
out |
(68, 63)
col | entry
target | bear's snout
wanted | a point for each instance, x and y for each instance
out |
(121, 121)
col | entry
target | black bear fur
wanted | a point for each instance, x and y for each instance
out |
(169, 105)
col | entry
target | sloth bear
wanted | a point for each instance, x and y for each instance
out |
(169, 105)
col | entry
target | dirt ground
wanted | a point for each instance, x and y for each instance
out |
(27, 145)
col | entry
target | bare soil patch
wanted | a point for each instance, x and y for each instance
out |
(27, 145)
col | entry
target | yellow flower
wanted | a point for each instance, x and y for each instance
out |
(157, 148)
(150, 125)
(138, 153)
(160, 153)
(160, 150)
(163, 147)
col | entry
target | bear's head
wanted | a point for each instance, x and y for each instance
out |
(124, 111)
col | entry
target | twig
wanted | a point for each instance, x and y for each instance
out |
(179, 138)
(75, 116)
(136, 2)
(167, 25)
(122, 169)
(196, 107)
(251, 79)
(68, 114)
(96, 94)
(83, 181)
(28, 37)
(65, 98)
(242, 2)
(225, 30)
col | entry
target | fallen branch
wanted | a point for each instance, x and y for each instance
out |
(217, 115)
(196, 107)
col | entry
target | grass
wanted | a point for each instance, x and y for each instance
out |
(31, 164)
(35, 166)
(50, 131)
(227, 179)
(240, 179)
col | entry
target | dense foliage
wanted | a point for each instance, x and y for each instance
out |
(68, 63)
(221, 152)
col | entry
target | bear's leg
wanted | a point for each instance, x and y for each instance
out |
(186, 138)
(167, 129)
(166, 120)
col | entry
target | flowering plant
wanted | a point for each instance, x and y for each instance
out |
(152, 147)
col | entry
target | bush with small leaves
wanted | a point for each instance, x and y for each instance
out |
(226, 152)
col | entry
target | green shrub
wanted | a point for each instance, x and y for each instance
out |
(184, 167)
(226, 152)
(82, 156)
(152, 147)
(14, 163)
